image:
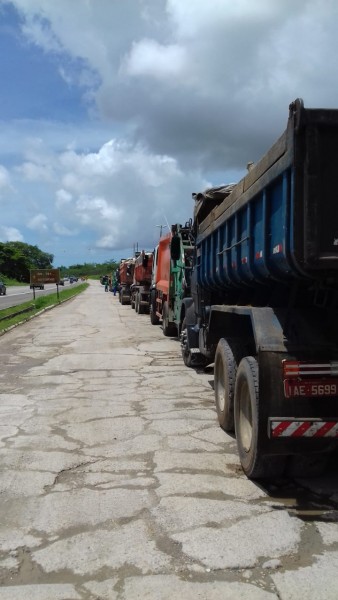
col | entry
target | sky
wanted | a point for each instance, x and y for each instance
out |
(113, 112)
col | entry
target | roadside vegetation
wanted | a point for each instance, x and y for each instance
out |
(21, 313)
(90, 271)
(17, 259)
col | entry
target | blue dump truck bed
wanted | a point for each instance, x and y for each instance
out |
(279, 223)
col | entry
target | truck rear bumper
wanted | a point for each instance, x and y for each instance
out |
(302, 428)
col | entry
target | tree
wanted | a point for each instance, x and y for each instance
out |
(18, 258)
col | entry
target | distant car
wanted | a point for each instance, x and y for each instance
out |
(38, 287)
(2, 289)
(62, 282)
(72, 279)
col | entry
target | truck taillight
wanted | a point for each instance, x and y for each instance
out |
(295, 368)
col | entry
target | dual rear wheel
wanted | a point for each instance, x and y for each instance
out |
(237, 404)
(139, 305)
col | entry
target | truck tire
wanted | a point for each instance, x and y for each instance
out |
(140, 307)
(248, 425)
(137, 303)
(190, 359)
(224, 383)
(169, 329)
(154, 320)
(132, 301)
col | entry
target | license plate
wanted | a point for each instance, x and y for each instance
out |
(320, 387)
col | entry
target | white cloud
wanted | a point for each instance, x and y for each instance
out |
(107, 241)
(36, 172)
(10, 234)
(38, 223)
(4, 178)
(149, 58)
(122, 192)
(88, 208)
(61, 230)
(194, 19)
(63, 198)
(40, 33)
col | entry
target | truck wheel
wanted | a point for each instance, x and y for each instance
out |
(154, 320)
(186, 353)
(137, 303)
(225, 375)
(190, 359)
(132, 302)
(248, 425)
(169, 329)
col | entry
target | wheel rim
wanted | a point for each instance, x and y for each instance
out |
(220, 387)
(184, 342)
(245, 417)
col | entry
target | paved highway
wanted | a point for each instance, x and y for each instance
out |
(18, 294)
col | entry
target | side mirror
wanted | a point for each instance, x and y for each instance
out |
(175, 248)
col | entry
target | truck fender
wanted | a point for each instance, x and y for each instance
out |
(188, 311)
(262, 326)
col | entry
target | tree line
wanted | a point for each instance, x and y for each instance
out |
(17, 259)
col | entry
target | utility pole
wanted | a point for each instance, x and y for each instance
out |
(161, 227)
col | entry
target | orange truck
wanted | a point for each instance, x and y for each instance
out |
(126, 276)
(173, 257)
(140, 288)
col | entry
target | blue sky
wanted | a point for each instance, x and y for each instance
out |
(34, 86)
(112, 113)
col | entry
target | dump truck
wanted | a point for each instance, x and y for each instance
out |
(126, 274)
(264, 298)
(140, 288)
(171, 277)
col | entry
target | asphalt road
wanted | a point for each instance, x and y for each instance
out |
(18, 294)
(116, 482)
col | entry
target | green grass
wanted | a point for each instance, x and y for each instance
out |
(33, 307)
(8, 282)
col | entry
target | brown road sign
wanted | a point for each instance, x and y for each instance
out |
(39, 276)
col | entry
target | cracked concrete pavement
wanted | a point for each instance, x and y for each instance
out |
(116, 482)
